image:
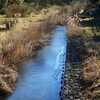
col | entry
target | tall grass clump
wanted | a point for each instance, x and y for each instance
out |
(15, 46)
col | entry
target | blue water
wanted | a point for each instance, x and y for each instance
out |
(41, 79)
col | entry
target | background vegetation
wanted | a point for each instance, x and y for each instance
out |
(27, 6)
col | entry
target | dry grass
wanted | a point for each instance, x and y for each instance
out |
(29, 33)
(28, 36)
(15, 46)
(74, 30)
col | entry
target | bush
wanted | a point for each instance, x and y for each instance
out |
(19, 10)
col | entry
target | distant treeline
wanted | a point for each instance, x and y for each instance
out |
(36, 2)
(23, 5)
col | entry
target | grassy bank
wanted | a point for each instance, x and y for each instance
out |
(23, 41)
(84, 78)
